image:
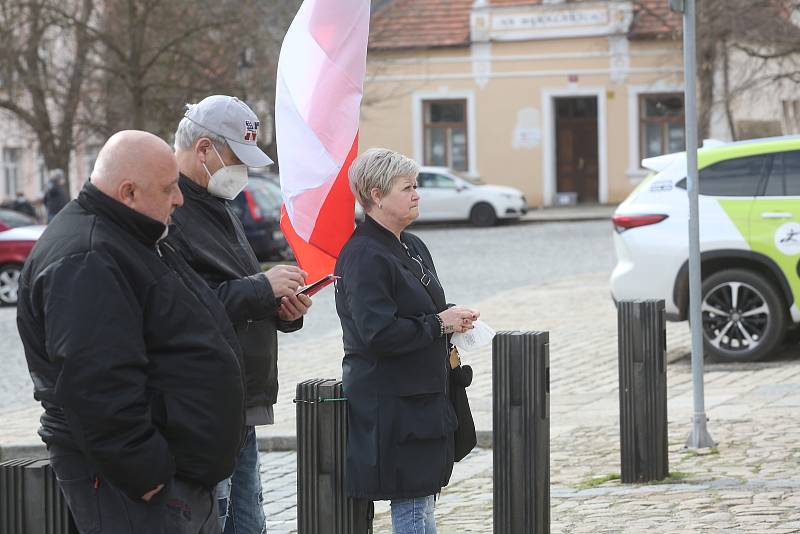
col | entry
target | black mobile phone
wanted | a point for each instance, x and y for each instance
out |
(312, 288)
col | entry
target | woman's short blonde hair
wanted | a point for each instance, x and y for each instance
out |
(378, 168)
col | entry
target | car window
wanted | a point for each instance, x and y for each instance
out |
(424, 179)
(738, 177)
(266, 195)
(14, 219)
(784, 178)
(440, 181)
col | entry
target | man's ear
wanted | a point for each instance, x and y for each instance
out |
(126, 191)
(201, 148)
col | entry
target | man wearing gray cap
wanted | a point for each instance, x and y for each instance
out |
(214, 144)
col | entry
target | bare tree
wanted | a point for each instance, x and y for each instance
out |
(76, 69)
(761, 29)
(154, 55)
(260, 76)
(44, 65)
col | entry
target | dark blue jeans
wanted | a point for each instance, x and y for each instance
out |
(241, 501)
(97, 507)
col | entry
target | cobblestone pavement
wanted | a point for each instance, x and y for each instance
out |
(748, 483)
(550, 251)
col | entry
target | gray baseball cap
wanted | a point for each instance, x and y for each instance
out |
(229, 117)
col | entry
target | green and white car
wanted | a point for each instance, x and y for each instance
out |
(749, 241)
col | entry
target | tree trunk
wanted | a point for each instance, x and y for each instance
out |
(727, 97)
(707, 53)
(706, 63)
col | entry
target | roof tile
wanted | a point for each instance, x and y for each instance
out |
(653, 19)
(402, 24)
(421, 24)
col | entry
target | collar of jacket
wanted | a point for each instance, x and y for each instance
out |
(140, 226)
(192, 189)
(375, 229)
(370, 227)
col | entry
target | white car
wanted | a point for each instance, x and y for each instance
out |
(749, 241)
(444, 195)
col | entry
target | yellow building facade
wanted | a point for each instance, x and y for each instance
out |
(561, 100)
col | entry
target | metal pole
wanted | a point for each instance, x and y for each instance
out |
(699, 436)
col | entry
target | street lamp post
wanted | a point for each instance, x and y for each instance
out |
(699, 436)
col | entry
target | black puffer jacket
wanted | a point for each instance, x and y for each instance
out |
(395, 370)
(131, 355)
(212, 240)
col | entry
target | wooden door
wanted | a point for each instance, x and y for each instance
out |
(576, 147)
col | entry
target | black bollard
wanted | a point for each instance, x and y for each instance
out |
(521, 433)
(322, 505)
(30, 499)
(643, 390)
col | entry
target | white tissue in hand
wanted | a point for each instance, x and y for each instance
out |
(477, 338)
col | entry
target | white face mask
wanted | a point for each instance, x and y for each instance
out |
(228, 181)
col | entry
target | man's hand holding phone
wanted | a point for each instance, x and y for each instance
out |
(312, 288)
(285, 280)
(293, 307)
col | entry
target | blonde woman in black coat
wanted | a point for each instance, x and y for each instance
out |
(396, 324)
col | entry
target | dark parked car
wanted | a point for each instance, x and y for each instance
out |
(14, 219)
(259, 209)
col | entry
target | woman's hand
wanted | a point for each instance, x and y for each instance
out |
(458, 319)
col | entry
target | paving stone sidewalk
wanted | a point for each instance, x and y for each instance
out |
(747, 484)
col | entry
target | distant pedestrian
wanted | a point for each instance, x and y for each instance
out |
(22, 205)
(122, 339)
(396, 326)
(56, 197)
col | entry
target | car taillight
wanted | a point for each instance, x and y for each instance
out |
(255, 211)
(626, 222)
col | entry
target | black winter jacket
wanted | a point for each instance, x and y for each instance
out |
(212, 240)
(395, 370)
(131, 355)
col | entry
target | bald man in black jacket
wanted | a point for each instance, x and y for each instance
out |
(121, 337)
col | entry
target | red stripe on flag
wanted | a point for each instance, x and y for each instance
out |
(332, 229)
(336, 218)
(310, 258)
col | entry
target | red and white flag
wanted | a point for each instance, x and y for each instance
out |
(318, 98)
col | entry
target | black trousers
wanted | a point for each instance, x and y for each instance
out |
(97, 507)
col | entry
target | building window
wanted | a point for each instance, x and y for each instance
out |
(661, 124)
(791, 116)
(445, 125)
(11, 170)
(42, 171)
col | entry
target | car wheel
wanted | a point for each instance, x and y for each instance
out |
(9, 283)
(744, 317)
(482, 215)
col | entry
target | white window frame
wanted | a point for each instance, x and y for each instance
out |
(636, 173)
(418, 99)
(8, 168)
(549, 96)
